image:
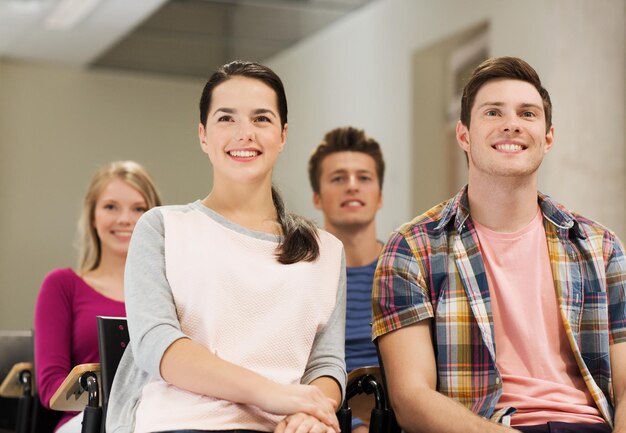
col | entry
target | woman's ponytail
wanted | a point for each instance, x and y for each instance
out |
(300, 241)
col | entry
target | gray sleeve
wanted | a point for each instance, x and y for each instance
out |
(152, 320)
(327, 353)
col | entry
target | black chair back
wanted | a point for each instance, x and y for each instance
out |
(27, 415)
(16, 408)
(43, 420)
(112, 341)
(8, 414)
(15, 346)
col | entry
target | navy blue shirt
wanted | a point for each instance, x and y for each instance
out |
(360, 351)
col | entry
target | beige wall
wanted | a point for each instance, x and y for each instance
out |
(57, 125)
(587, 168)
(359, 72)
(433, 127)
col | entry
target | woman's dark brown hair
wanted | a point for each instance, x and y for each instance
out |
(299, 240)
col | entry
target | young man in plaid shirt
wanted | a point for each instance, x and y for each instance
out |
(499, 308)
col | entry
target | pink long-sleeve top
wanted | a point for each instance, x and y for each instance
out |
(66, 331)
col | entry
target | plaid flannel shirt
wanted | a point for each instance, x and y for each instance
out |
(432, 268)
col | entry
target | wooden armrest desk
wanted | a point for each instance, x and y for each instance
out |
(69, 396)
(11, 386)
(362, 371)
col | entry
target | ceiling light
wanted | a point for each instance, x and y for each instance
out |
(67, 13)
(26, 6)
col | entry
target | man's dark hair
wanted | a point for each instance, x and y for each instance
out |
(346, 139)
(511, 68)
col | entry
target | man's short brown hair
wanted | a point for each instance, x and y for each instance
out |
(345, 139)
(511, 68)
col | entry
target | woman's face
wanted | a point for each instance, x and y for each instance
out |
(243, 134)
(117, 209)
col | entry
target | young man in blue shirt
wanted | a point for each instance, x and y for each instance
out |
(346, 172)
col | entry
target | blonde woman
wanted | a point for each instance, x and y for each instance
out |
(69, 301)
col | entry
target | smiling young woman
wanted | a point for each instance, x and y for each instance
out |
(236, 307)
(69, 301)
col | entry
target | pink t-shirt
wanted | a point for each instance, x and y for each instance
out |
(540, 376)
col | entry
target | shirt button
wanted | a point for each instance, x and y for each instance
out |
(498, 380)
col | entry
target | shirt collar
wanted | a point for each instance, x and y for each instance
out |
(560, 217)
(457, 209)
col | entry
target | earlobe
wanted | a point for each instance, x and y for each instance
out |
(316, 201)
(549, 140)
(462, 136)
(283, 138)
(202, 137)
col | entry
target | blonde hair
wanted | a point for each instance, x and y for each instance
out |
(130, 172)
